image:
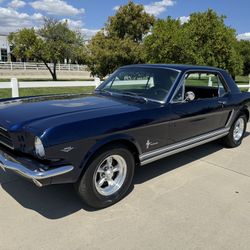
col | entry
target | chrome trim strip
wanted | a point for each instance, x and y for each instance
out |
(6, 145)
(158, 66)
(1, 142)
(3, 129)
(7, 162)
(182, 146)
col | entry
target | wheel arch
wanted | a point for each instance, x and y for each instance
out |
(245, 111)
(125, 140)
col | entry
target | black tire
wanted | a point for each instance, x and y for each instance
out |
(229, 140)
(86, 187)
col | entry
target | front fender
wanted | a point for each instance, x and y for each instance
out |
(122, 138)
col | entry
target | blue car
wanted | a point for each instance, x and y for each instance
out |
(140, 114)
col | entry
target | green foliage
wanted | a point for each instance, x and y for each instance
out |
(169, 43)
(120, 42)
(204, 40)
(106, 54)
(25, 43)
(53, 43)
(61, 42)
(213, 41)
(130, 21)
(244, 50)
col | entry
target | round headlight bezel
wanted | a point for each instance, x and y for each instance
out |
(39, 148)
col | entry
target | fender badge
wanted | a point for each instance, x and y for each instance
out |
(150, 144)
(67, 150)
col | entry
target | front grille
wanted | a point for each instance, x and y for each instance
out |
(5, 138)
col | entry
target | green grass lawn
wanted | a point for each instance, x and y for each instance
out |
(242, 80)
(6, 93)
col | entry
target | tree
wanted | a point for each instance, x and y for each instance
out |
(169, 43)
(215, 43)
(131, 21)
(204, 40)
(106, 54)
(244, 50)
(120, 42)
(53, 43)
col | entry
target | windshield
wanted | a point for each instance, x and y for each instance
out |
(150, 83)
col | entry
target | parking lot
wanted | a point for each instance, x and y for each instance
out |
(199, 199)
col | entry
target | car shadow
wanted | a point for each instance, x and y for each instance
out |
(58, 201)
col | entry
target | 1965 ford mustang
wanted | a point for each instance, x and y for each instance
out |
(140, 114)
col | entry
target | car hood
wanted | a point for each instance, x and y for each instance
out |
(16, 113)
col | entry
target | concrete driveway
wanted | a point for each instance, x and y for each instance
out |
(199, 199)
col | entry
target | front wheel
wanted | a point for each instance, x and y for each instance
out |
(236, 133)
(108, 177)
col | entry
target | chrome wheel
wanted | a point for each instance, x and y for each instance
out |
(239, 129)
(110, 175)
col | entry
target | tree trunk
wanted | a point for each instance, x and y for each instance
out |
(53, 73)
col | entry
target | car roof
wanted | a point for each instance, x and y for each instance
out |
(180, 67)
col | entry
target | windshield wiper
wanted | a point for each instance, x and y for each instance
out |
(129, 93)
(104, 91)
(135, 95)
(125, 93)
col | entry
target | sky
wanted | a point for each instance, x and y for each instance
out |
(89, 16)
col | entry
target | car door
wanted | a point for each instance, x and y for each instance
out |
(206, 113)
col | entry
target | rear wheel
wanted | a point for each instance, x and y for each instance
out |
(108, 177)
(236, 133)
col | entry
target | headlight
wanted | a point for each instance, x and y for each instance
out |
(39, 149)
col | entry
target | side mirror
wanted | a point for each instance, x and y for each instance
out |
(189, 96)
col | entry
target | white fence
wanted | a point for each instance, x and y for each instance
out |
(40, 66)
(245, 87)
(14, 85)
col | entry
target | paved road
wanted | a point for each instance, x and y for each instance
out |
(199, 199)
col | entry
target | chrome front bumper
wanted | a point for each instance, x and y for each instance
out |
(36, 174)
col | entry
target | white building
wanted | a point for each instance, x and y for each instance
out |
(4, 49)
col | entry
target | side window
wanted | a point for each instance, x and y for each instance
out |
(202, 84)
